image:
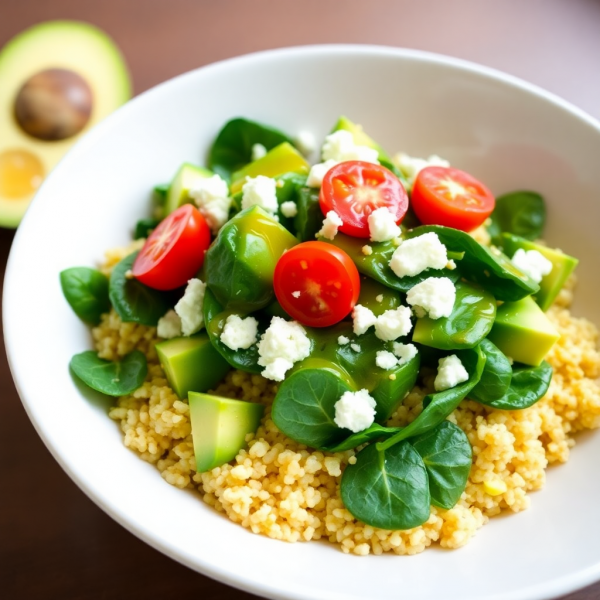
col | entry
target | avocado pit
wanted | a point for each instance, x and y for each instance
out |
(53, 105)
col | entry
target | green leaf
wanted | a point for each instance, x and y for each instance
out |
(133, 301)
(111, 378)
(309, 219)
(387, 488)
(447, 455)
(374, 432)
(496, 375)
(160, 193)
(86, 290)
(144, 227)
(522, 213)
(232, 149)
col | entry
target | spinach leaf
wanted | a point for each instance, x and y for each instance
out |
(527, 386)
(471, 320)
(160, 193)
(387, 488)
(288, 187)
(488, 267)
(496, 375)
(374, 432)
(86, 290)
(232, 148)
(437, 406)
(521, 213)
(309, 219)
(304, 407)
(144, 227)
(111, 378)
(447, 455)
(133, 301)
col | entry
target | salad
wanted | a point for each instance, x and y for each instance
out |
(358, 319)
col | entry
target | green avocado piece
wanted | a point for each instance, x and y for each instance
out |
(184, 180)
(191, 364)
(281, 159)
(377, 297)
(360, 137)
(523, 332)
(562, 266)
(219, 428)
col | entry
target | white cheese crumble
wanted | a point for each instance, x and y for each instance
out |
(385, 360)
(258, 151)
(331, 223)
(362, 318)
(382, 225)
(355, 347)
(450, 373)
(239, 333)
(169, 325)
(393, 323)
(260, 191)
(342, 340)
(355, 411)
(306, 142)
(318, 171)
(434, 296)
(289, 209)
(415, 255)
(296, 294)
(404, 352)
(379, 298)
(367, 250)
(282, 344)
(532, 263)
(340, 146)
(189, 308)
(410, 165)
(211, 195)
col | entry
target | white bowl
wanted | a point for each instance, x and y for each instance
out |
(506, 132)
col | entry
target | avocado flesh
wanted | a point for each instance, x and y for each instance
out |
(219, 428)
(562, 266)
(277, 161)
(360, 137)
(185, 179)
(523, 332)
(191, 364)
(70, 45)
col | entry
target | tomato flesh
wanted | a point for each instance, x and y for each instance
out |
(316, 283)
(174, 251)
(354, 189)
(450, 197)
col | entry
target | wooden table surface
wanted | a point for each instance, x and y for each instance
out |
(54, 542)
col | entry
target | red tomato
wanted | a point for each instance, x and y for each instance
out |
(446, 196)
(174, 251)
(316, 283)
(354, 189)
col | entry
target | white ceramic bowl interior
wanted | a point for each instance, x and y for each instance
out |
(507, 133)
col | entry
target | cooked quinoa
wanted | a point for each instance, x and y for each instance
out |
(289, 492)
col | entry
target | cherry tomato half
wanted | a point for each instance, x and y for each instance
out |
(174, 251)
(316, 283)
(446, 196)
(354, 189)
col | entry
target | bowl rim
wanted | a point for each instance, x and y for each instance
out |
(546, 591)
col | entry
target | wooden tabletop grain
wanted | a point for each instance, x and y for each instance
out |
(54, 542)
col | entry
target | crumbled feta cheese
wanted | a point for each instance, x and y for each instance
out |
(367, 250)
(289, 209)
(189, 308)
(258, 151)
(434, 295)
(415, 255)
(211, 195)
(318, 171)
(451, 265)
(169, 325)
(282, 344)
(411, 166)
(296, 294)
(306, 142)
(393, 323)
(331, 223)
(532, 263)
(379, 298)
(385, 360)
(340, 146)
(260, 191)
(355, 411)
(450, 373)
(382, 225)
(363, 318)
(342, 340)
(239, 333)
(355, 347)
(404, 352)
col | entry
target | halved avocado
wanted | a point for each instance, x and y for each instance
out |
(58, 79)
(184, 180)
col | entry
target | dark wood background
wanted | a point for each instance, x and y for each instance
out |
(54, 542)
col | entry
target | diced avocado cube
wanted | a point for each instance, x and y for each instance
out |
(191, 364)
(360, 137)
(183, 182)
(219, 428)
(281, 159)
(562, 266)
(523, 332)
